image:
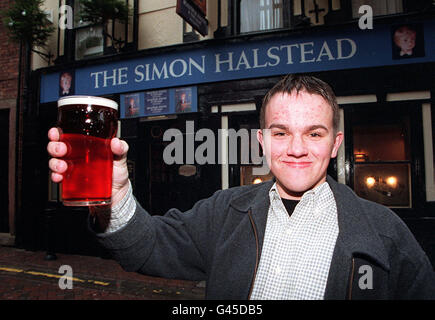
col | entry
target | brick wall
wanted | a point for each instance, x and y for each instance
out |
(9, 62)
(9, 53)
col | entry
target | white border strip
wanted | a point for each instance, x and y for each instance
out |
(341, 157)
(224, 155)
(411, 95)
(118, 132)
(367, 98)
(238, 107)
(428, 152)
(235, 107)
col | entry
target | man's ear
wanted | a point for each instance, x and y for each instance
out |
(337, 143)
(260, 137)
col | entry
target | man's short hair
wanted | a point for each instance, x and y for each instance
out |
(313, 85)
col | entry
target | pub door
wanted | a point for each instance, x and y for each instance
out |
(177, 185)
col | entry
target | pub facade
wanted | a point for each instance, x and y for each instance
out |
(189, 108)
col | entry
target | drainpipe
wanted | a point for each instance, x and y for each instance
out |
(17, 205)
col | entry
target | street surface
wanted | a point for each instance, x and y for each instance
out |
(25, 275)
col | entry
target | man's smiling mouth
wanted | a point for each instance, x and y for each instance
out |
(297, 164)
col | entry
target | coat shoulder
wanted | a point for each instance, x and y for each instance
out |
(396, 236)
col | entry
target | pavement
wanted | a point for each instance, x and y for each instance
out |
(26, 275)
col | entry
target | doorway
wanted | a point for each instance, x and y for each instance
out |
(161, 186)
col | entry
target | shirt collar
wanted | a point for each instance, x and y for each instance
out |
(320, 197)
(315, 192)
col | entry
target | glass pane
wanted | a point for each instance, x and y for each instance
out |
(381, 142)
(387, 184)
(78, 22)
(89, 42)
(258, 15)
(379, 7)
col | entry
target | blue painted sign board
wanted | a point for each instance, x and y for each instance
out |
(321, 51)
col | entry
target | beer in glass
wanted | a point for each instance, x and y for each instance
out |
(87, 125)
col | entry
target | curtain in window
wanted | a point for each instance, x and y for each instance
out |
(256, 15)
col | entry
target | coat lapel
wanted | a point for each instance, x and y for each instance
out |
(250, 208)
(255, 200)
(356, 236)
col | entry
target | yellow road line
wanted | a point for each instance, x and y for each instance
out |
(50, 275)
(100, 282)
(11, 269)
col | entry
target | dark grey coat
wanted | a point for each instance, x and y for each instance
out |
(220, 239)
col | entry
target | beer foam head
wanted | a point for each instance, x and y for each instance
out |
(87, 100)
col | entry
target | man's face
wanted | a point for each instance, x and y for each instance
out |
(299, 141)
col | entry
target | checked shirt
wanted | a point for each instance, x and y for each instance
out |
(297, 249)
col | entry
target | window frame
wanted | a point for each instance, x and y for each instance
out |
(374, 14)
(417, 175)
(235, 8)
(75, 35)
(301, 21)
(69, 35)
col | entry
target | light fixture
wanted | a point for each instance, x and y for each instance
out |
(392, 181)
(360, 157)
(370, 182)
(257, 181)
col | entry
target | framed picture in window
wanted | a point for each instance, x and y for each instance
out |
(89, 42)
(385, 183)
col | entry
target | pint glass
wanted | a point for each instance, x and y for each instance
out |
(87, 125)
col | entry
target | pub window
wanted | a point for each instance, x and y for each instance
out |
(262, 15)
(379, 7)
(89, 39)
(382, 158)
(259, 15)
(251, 171)
(249, 167)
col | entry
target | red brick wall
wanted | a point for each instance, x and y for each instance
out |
(9, 62)
(9, 52)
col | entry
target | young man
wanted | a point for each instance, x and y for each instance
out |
(301, 236)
